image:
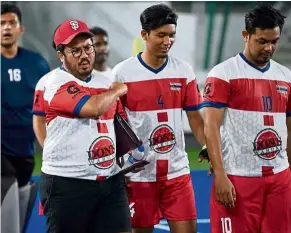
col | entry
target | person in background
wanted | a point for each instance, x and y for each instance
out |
(102, 50)
(20, 71)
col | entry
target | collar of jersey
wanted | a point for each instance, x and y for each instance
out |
(150, 68)
(88, 79)
(252, 65)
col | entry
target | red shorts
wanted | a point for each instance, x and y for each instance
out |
(170, 199)
(40, 209)
(263, 205)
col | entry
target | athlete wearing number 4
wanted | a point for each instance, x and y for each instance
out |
(159, 88)
(246, 100)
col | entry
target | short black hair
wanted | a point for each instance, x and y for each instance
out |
(263, 16)
(11, 8)
(60, 47)
(98, 31)
(156, 16)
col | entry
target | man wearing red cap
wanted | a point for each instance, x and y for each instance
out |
(80, 189)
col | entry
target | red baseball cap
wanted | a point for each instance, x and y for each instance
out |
(69, 29)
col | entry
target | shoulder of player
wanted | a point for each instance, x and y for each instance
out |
(102, 79)
(221, 70)
(281, 68)
(43, 80)
(175, 61)
(31, 54)
(124, 65)
(59, 77)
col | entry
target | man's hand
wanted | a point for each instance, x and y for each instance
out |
(120, 88)
(203, 155)
(224, 189)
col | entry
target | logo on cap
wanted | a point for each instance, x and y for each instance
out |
(74, 24)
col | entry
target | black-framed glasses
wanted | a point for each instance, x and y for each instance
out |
(77, 52)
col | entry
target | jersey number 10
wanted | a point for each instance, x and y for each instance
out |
(14, 75)
(226, 225)
(267, 103)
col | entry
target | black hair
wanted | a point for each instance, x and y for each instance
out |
(60, 47)
(156, 16)
(11, 8)
(98, 31)
(263, 16)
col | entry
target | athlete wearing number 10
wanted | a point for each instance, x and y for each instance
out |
(247, 101)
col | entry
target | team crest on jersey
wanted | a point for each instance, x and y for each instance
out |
(282, 89)
(267, 144)
(162, 139)
(74, 24)
(207, 89)
(175, 86)
(102, 153)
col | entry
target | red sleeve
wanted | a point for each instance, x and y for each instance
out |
(69, 99)
(192, 99)
(216, 93)
(38, 103)
(121, 110)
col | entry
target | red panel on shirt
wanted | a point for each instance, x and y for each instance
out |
(192, 99)
(150, 95)
(216, 90)
(69, 95)
(65, 100)
(259, 95)
(268, 120)
(38, 103)
(162, 117)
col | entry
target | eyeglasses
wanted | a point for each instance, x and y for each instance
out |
(77, 52)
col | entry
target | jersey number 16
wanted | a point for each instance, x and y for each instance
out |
(14, 75)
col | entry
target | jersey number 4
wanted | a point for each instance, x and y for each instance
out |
(14, 75)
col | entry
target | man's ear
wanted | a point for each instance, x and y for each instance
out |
(61, 56)
(144, 34)
(245, 35)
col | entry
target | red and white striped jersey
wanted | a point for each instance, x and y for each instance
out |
(78, 147)
(254, 131)
(154, 105)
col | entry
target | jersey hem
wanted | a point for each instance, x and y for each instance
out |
(213, 104)
(38, 113)
(259, 174)
(169, 177)
(75, 175)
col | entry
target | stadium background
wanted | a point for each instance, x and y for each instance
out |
(207, 33)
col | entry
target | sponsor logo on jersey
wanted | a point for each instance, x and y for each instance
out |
(73, 90)
(175, 86)
(282, 89)
(267, 144)
(102, 153)
(162, 139)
